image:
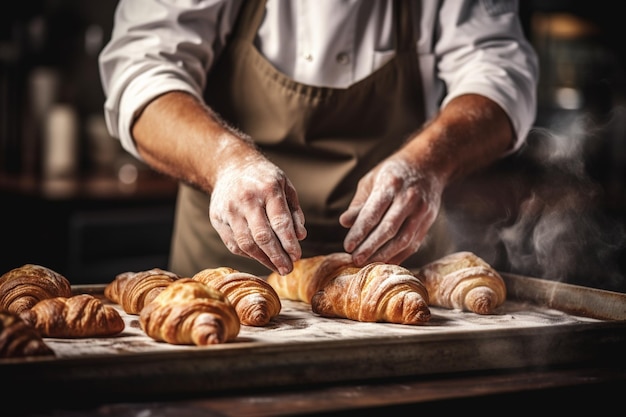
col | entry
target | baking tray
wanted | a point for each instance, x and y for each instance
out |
(542, 324)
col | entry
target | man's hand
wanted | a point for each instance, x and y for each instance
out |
(391, 212)
(397, 202)
(254, 208)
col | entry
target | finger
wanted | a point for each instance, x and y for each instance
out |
(384, 237)
(367, 220)
(348, 217)
(298, 221)
(405, 243)
(267, 228)
(226, 234)
(297, 215)
(282, 224)
(244, 241)
(410, 238)
(231, 242)
(397, 229)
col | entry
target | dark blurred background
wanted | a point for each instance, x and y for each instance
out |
(74, 201)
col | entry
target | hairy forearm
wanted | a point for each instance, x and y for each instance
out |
(180, 137)
(469, 134)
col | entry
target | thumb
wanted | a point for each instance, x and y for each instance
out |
(348, 217)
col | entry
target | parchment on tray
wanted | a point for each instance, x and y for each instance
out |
(297, 323)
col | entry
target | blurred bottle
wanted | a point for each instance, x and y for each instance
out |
(60, 142)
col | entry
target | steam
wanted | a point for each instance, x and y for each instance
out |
(564, 241)
(559, 229)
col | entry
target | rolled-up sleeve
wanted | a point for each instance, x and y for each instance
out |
(482, 49)
(157, 47)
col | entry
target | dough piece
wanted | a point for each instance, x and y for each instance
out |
(463, 281)
(18, 339)
(78, 316)
(255, 301)
(189, 312)
(23, 287)
(378, 292)
(309, 275)
(133, 290)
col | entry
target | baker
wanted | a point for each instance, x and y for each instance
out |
(312, 126)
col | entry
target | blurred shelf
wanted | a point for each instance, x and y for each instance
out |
(148, 185)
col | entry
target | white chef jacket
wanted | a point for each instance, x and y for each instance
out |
(464, 46)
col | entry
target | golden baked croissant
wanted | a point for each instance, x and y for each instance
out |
(23, 287)
(189, 312)
(133, 290)
(309, 275)
(19, 339)
(378, 292)
(255, 301)
(78, 316)
(463, 281)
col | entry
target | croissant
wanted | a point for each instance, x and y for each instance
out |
(23, 287)
(133, 290)
(189, 312)
(309, 275)
(378, 292)
(78, 316)
(18, 339)
(255, 301)
(463, 281)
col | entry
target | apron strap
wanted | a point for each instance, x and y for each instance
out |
(404, 25)
(249, 20)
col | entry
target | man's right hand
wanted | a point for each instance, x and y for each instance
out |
(255, 209)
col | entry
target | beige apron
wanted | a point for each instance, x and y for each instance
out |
(325, 139)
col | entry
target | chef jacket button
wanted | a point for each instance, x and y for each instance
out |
(343, 58)
(308, 56)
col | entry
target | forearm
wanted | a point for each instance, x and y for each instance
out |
(470, 133)
(180, 137)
